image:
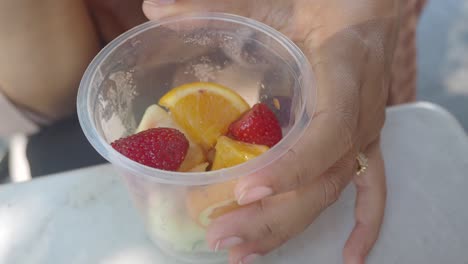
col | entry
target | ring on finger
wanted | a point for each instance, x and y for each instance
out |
(363, 163)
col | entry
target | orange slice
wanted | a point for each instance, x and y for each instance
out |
(209, 202)
(155, 116)
(230, 153)
(204, 110)
(206, 203)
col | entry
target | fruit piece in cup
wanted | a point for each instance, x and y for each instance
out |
(200, 168)
(258, 126)
(161, 148)
(155, 116)
(230, 152)
(209, 202)
(205, 113)
(213, 121)
(169, 222)
(204, 110)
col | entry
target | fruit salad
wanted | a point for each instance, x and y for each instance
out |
(197, 127)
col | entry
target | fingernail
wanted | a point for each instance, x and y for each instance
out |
(253, 195)
(249, 259)
(228, 243)
(160, 2)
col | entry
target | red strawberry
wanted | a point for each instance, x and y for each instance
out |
(161, 148)
(258, 126)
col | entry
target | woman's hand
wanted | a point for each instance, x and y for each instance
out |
(350, 46)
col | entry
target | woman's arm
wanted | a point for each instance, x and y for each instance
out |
(44, 48)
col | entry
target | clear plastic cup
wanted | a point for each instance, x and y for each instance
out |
(137, 68)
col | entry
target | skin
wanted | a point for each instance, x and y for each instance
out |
(47, 48)
(44, 53)
(352, 95)
(350, 46)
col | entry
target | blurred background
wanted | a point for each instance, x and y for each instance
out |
(443, 79)
(443, 56)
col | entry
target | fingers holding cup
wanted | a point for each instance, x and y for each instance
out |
(370, 207)
(261, 227)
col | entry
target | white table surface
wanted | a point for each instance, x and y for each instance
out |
(85, 216)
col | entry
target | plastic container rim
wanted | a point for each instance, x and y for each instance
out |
(308, 92)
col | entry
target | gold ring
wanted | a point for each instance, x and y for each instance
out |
(363, 163)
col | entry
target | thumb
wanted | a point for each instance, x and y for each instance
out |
(157, 9)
